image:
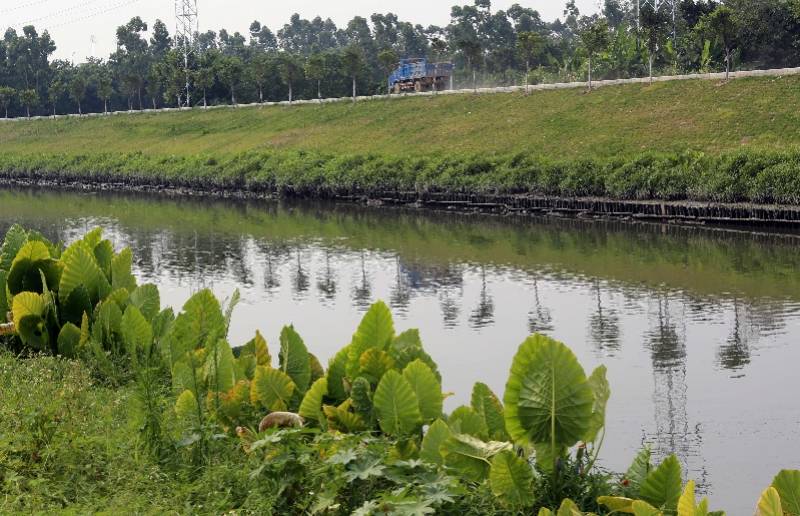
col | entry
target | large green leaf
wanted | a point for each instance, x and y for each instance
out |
(687, 503)
(311, 406)
(511, 479)
(13, 242)
(397, 405)
(487, 405)
(187, 409)
(407, 347)
(427, 389)
(337, 367)
(69, 340)
(272, 389)
(147, 299)
(361, 398)
(373, 365)
(548, 399)
(617, 504)
(137, 334)
(787, 483)
(80, 268)
(375, 331)
(464, 420)
(29, 266)
(200, 322)
(121, 271)
(601, 392)
(770, 503)
(220, 370)
(294, 359)
(254, 353)
(27, 304)
(104, 253)
(432, 442)
(340, 418)
(108, 324)
(662, 487)
(470, 457)
(638, 471)
(77, 303)
(642, 508)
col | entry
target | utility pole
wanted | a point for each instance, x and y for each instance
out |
(186, 27)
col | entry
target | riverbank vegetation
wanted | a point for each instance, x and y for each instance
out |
(111, 402)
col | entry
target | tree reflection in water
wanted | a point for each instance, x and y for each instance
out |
(483, 315)
(540, 320)
(326, 285)
(362, 292)
(604, 325)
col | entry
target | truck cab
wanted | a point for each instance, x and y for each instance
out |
(419, 74)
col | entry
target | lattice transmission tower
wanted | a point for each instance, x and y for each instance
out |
(670, 6)
(186, 28)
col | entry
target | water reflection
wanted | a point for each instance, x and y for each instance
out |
(689, 321)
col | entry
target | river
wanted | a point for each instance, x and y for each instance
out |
(699, 327)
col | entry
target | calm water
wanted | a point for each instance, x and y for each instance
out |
(699, 328)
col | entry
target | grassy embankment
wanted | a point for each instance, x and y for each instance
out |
(698, 140)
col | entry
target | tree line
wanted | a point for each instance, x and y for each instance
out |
(315, 58)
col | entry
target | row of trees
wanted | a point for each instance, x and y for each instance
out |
(315, 58)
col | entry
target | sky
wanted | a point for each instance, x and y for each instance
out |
(81, 27)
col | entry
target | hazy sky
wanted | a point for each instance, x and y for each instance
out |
(73, 23)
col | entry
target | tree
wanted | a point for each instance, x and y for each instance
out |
(105, 87)
(30, 99)
(353, 62)
(595, 37)
(473, 52)
(529, 45)
(655, 25)
(290, 69)
(259, 70)
(154, 81)
(722, 24)
(204, 79)
(77, 89)
(55, 91)
(388, 60)
(6, 96)
(316, 69)
(229, 71)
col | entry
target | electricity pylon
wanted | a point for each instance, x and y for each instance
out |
(186, 27)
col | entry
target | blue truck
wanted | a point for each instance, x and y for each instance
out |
(418, 75)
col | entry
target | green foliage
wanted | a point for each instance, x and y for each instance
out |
(787, 483)
(396, 405)
(662, 486)
(512, 480)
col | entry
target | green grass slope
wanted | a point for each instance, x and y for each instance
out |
(610, 122)
(684, 140)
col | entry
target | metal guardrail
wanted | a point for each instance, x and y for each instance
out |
(776, 72)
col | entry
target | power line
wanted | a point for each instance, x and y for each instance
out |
(92, 14)
(75, 7)
(24, 6)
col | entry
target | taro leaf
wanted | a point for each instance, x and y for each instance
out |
(641, 508)
(687, 504)
(511, 479)
(187, 409)
(340, 418)
(662, 487)
(336, 373)
(569, 508)
(547, 457)
(3, 298)
(638, 471)
(234, 402)
(427, 389)
(770, 503)
(311, 406)
(547, 398)
(787, 483)
(76, 305)
(93, 237)
(220, 371)
(13, 242)
(80, 268)
(375, 331)
(200, 322)
(28, 311)
(294, 359)
(407, 347)
(69, 340)
(32, 261)
(272, 389)
(617, 504)
(464, 420)
(487, 405)
(397, 405)
(470, 457)
(254, 353)
(373, 365)
(317, 371)
(137, 334)
(147, 299)
(122, 271)
(104, 253)
(601, 392)
(432, 442)
(108, 323)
